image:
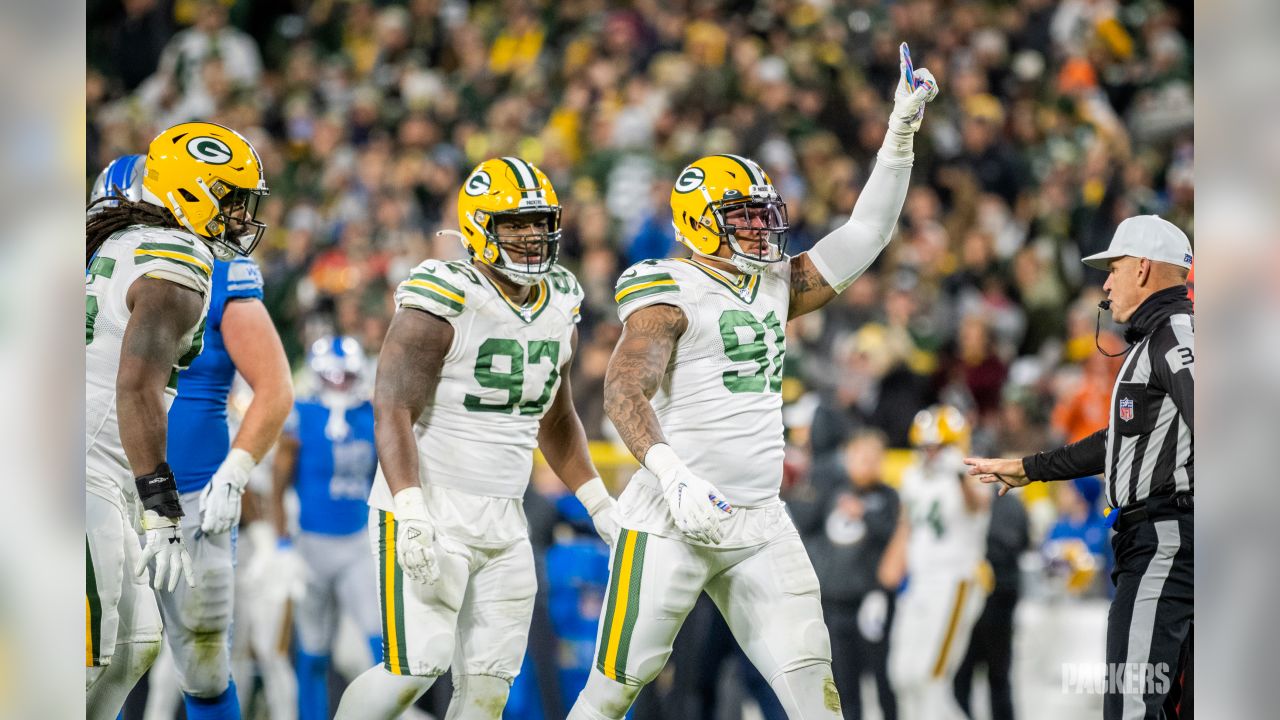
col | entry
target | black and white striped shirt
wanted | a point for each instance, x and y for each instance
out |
(1147, 450)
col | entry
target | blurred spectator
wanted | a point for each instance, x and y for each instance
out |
(846, 515)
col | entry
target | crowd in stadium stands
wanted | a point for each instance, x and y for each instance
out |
(1056, 121)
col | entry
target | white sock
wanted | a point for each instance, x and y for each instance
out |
(380, 695)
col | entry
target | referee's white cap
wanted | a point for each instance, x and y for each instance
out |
(1145, 236)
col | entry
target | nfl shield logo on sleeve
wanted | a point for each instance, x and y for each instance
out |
(1126, 409)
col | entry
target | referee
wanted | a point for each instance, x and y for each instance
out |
(1148, 455)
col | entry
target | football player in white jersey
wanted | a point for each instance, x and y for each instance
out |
(146, 295)
(694, 390)
(473, 376)
(943, 535)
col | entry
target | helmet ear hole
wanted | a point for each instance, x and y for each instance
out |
(186, 195)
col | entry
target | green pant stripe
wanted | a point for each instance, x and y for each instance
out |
(397, 588)
(618, 546)
(633, 602)
(382, 583)
(402, 647)
(95, 604)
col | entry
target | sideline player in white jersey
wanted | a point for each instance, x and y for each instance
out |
(146, 295)
(694, 390)
(473, 376)
(943, 536)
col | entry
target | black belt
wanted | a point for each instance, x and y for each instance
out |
(1130, 516)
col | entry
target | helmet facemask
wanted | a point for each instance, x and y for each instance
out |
(761, 219)
(235, 227)
(526, 256)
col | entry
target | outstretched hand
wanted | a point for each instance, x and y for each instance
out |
(1006, 471)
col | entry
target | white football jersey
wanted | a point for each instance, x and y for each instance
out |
(499, 377)
(946, 538)
(720, 403)
(139, 251)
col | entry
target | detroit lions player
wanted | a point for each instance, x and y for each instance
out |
(327, 453)
(147, 294)
(694, 389)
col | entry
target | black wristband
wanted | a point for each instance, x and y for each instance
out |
(159, 492)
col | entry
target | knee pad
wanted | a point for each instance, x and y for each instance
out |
(203, 662)
(478, 697)
(604, 699)
(808, 692)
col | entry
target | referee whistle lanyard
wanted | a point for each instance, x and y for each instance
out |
(1097, 335)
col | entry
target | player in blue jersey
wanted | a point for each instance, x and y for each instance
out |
(327, 453)
(210, 469)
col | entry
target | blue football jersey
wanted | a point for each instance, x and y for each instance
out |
(199, 438)
(333, 477)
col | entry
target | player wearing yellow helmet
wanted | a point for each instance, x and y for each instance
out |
(694, 389)
(147, 292)
(473, 376)
(941, 546)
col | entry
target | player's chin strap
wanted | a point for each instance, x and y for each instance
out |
(1097, 332)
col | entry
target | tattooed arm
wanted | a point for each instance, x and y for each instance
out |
(809, 290)
(638, 365)
(408, 372)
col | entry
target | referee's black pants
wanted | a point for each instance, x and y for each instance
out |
(1150, 618)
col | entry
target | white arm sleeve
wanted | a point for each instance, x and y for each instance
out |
(846, 252)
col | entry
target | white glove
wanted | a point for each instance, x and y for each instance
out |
(871, 615)
(164, 544)
(603, 508)
(695, 504)
(908, 105)
(288, 575)
(220, 501)
(415, 537)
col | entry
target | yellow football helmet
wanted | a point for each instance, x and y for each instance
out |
(939, 425)
(509, 189)
(720, 196)
(210, 178)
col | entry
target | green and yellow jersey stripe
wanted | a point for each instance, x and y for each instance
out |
(434, 288)
(644, 286)
(174, 252)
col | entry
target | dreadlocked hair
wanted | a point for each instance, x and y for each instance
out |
(109, 219)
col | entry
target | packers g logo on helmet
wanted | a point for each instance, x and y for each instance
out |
(210, 178)
(726, 200)
(939, 425)
(505, 190)
(210, 150)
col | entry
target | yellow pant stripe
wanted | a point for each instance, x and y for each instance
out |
(389, 596)
(620, 610)
(961, 592)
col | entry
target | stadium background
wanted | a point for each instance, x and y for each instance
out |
(1056, 120)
